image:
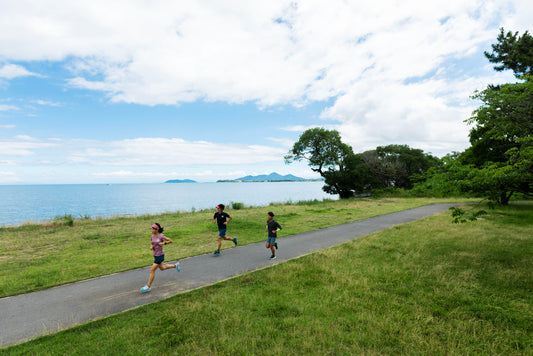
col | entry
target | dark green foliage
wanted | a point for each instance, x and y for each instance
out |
(348, 174)
(502, 141)
(66, 220)
(236, 205)
(322, 148)
(513, 52)
(461, 216)
(329, 156)
(397, 165)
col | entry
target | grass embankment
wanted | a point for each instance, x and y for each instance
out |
(427, 287)
(38, 256)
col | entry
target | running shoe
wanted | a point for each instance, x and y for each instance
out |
(177, 266)
(216, 253)
(235, 241)
(146, 289)
(272, 257)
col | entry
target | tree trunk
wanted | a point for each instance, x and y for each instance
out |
(504, 198)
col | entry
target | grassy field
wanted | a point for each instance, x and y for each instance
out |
(35, 257)
(427, 287)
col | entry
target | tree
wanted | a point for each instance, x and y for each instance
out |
(397, 165)
(355, 179)
(502, 141)
(513, 52)
(344, 172)
(499, 162)
(323, 149)
(446, 179)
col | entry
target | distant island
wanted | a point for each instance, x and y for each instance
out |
(180, 181)
(272, 177)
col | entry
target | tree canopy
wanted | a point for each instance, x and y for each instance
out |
(329, 156)
(513, 52)
(349, 174)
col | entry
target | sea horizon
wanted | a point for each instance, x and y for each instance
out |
(39, 203)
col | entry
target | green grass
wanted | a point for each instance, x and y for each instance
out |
(34, 257)
(427, 287)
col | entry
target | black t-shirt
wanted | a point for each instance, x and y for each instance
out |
(273, 226)
(221, 219)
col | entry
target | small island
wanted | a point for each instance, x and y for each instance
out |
(180, 181)
(272, 177)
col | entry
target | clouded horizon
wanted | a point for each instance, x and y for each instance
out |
(135, 91)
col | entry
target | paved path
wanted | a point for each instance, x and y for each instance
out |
(27, 316)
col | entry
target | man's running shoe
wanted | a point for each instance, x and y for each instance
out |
(177, 266)
(216, 253)
(235, 241)
(146, 289)
(272, 257)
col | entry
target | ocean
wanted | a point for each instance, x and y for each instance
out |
(39, 203)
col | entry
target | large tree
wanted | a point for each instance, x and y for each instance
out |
(502, 136)
(344, 172)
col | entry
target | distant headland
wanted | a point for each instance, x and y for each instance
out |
(272, 177)
(180, 181)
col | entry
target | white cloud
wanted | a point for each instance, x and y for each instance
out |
(24, 146)
(298, 128)
(7, 126)
(165, 152)
(47, 103)
(8, 107)
(155, 152)
(389, 68)
(10, 71)
(273, 53)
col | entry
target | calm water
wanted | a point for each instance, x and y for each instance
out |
(37, 203)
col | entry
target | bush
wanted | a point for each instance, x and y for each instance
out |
(236, 205)
(66, 220)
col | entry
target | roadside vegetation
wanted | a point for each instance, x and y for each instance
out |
(38, 256)
(427, 287)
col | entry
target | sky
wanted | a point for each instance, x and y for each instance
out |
(138, 91)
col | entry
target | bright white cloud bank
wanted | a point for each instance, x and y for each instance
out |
(390, 67)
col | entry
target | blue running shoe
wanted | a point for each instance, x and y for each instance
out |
(177, 266)
(272, 257)
(146, 289)
(235, 241)
(216, 253)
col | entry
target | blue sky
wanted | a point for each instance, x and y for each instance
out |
(136, 91)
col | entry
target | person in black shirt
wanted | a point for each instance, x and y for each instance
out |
(222, 219)
(272, 227)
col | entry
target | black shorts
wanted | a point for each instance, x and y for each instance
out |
(159, 259)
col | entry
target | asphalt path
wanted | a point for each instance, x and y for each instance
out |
(30, 315)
